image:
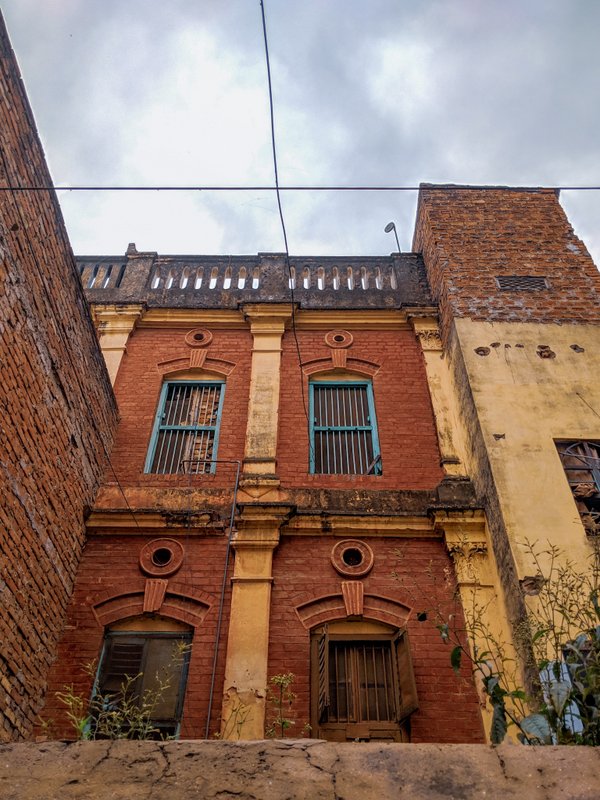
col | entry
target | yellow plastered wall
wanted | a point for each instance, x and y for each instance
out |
(524, 403)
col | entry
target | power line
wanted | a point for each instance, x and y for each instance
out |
(285, 240)
(278, 188)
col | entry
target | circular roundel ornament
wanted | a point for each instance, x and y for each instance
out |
(161, 557)
(339, 338)
(198, 337)
(352, 558)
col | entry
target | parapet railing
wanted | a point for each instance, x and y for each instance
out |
(182, 281)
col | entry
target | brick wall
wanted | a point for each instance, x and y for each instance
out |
(57, 413)
(409, 451)
(138, 388)
(470, 236)
(110, 566)
(448, 706)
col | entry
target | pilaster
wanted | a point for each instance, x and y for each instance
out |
(114, 324)
(244, 694)
(442, 395)
(267, 324)
(486, 620)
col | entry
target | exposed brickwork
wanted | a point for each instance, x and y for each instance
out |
(138, 387)
(407, 436)
(110, 567)
(469, 236)
(448, 706)
(57, 417)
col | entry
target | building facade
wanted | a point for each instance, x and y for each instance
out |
(312, 457)
(309, 423)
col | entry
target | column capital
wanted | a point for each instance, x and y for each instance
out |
(427, 331)
(116, 318)
(267, 317)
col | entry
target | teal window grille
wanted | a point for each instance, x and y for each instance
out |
(147, 670)
(186, 429)
(343, 429)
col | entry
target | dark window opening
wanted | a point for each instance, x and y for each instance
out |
(186, 430)
(362, 688)
(581, 463)
(343, 429)
(352, 557)
(145, 672)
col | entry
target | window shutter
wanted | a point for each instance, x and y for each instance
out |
(123, 657)
(323, 667)
(407, 687)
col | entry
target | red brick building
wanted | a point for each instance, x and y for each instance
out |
(272, 499)
(306, 464)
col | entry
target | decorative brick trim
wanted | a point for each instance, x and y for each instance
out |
(354, 598)
(197, 358)
(198, 337)
(179, 603)
(333, 607)
(218, 365)
(359, 365)
(154, 594)
(339, 338)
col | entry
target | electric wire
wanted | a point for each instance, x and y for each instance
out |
(279, 188)
(67, 246)
(282, 220)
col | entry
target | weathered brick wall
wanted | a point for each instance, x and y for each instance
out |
(110, 567)
(57, 413)
(412, 572)
(409, 450)
(470, 236)
(138, 388)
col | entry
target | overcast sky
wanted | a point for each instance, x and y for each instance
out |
(366, 92)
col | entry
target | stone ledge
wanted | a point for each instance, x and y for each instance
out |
(294, 769)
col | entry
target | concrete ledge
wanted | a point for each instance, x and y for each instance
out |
(294, 769)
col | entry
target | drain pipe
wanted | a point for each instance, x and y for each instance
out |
(222, 598)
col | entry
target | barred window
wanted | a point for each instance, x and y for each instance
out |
(363, 687)
(581, 463)
(186, 429)
(343, 430)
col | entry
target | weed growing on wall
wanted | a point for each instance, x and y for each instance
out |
(560, 634)
(280, 701)
(125, 713)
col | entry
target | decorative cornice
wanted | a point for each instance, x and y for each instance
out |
(186, 318)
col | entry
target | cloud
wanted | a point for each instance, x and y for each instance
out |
(472, 91)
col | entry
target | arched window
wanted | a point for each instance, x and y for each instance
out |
(362, 682)
(186, 428)
(141, 679)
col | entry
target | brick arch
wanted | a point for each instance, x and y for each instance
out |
(360, 366)
(180, 603)
(331, 607)
(172, 368)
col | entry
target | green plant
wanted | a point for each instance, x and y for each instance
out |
(234, 724)
(560, 637)
(280, 698)
(124, 714)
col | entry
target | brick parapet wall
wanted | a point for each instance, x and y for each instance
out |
(58, 413)
(415, 573)
(469, 236)
(407, 435)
